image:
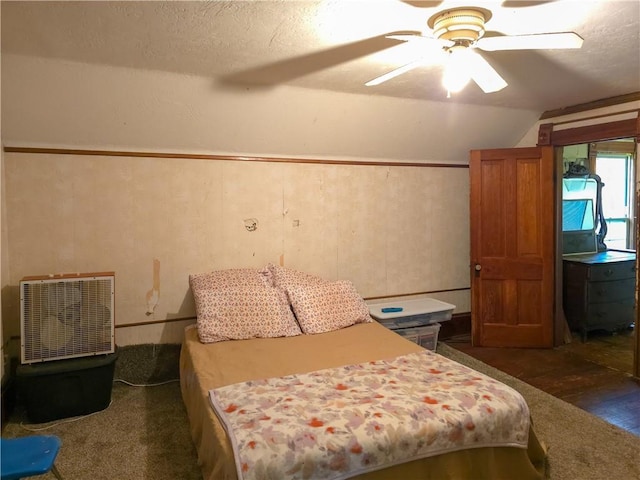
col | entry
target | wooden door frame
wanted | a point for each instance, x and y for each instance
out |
(547, 135)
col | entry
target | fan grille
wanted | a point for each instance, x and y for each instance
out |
(66, 318)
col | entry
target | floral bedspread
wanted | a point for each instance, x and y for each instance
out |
(340, 422)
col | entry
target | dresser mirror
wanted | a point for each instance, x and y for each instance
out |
(603, 172)
(579, 217)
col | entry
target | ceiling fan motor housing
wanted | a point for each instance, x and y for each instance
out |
(459, 24)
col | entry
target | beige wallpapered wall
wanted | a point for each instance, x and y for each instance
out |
(390, 229)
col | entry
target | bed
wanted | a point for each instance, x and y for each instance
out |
(244, 368)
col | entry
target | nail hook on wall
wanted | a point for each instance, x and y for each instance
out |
(251, 224)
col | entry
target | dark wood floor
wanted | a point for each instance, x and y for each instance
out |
(594, 376)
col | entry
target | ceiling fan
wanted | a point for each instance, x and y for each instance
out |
(459, 32)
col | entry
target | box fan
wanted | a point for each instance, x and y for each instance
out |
(66, 316)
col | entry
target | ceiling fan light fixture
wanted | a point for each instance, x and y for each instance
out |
(475, 28)
(459, 24)
(456, 72)
(459, 33)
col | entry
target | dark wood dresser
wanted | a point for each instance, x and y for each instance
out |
(599, 290)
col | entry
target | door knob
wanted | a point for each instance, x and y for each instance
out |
(478, 267)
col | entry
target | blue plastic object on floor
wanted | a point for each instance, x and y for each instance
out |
(28, 456)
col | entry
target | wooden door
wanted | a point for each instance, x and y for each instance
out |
(512, 247)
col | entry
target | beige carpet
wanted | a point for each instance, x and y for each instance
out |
(144, 435)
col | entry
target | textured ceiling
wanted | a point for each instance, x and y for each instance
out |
(336, 45)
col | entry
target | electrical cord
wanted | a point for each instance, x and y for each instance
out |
(69, 420)
(145, 384)
(82, 417)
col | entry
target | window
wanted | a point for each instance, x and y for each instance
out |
(617, 173)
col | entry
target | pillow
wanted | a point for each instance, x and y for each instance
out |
(286, 278)
(238, 313)
(328, 306)
(240, 303)
(232, 277)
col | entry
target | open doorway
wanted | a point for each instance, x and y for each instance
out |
(598, 246)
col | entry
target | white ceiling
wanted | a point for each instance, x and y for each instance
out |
(332, 45)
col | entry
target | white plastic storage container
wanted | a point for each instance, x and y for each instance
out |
(413, 313)
(426, 336)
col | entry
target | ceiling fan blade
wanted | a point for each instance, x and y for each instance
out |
(422, 38)
(523, 3)
(292, 68)
(484, 74)
(540, 41)
(394, 73)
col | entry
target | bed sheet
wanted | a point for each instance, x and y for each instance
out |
(207, 366)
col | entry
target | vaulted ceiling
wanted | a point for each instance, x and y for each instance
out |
(337, 45)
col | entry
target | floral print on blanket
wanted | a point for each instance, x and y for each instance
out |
(340, 422)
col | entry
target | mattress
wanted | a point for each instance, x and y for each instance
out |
(204, 367)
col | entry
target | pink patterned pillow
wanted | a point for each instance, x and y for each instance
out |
(240, 304)
(287, 278)
(328, 306)
(232, 277)
(238, 313)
